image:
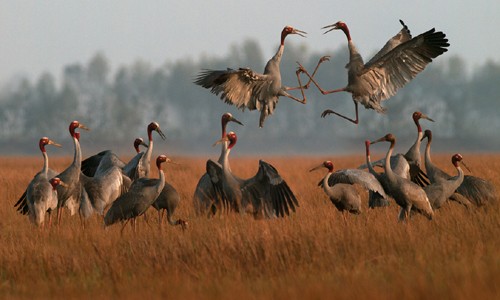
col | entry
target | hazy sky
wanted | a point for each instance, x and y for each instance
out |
(39, 36)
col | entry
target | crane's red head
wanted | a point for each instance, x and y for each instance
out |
(46, 141)
(417, 116)
(428, 135)
(386, 138)
(457, 158)
(232, 138)
(162, 159)
(73, 126)
(154, 126)
(55, 182)
(290, 30)
(226, 118)
(138, 142)
(326, 164)
(339, 25)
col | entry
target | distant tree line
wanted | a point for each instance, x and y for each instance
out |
(118, 105)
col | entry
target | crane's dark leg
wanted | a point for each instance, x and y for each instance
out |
(286, 94)
(123, 226)
(329, 111)
(301, 69)
(306, 86)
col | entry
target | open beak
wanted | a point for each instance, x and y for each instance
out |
(236, 121)
(51, 142)
(330, 28)
(81, 126)
(299, 32)
(316, 168)
(160, 133)
(222, 140)
(426, 117)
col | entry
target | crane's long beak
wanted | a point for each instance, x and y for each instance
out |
(382, 139)
(236, 121)
(160, 133)
(51, 142)
(426, 117)
(462, 162)
(222, 140)
(317, 167)
(299, 32)
(144, 144)
(330, 27)
(81, 126)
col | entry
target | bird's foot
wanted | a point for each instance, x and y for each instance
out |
(323, 59)
(326, 113)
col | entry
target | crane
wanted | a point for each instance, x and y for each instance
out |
(69, 196)
(439, 192)
(141, 195)
(247, 89)
(409, 165)
(167, 201)
(205, 197)
(376, 199)
(130, 169)
(266, 195)
(406, 193)
(474, 189)
(38, 196)
(343, 195)
(397, 63)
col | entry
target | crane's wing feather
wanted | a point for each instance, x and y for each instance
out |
(353, 176)
(397, 67)
(243, 88)
(90, 164)
(402, 36)
(278, 199)
(214, 171)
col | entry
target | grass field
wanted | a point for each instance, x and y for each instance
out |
(311, 255)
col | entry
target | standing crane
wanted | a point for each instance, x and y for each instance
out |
(130, 169)
(406, 193)
(474, 189)
(409, 165)
(205, 196)
(343, 195)
(439, 192)
(376, 199)
(38, 196)
(69, 196)
(266, 195)
(397, 63)
(247, 89)
(167, 201)
(141, 195)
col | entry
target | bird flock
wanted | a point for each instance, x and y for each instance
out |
(119, 191)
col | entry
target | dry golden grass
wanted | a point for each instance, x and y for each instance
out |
(311, 254)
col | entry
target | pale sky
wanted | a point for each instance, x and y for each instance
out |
(38, 36)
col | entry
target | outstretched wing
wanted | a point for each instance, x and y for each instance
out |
(90, 164)
(397, 67)
(214, 171)
(401, 37)
(278, 199)
(243, 88)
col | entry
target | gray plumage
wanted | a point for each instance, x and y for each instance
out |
(205, 199)
(339, 187)
(247, 89)
(40, 197)
(439, 192)
(141, 195)
(167, 201)
(265, 195)
(406, 193)
(375, 199)
(396, 64)
(477, 190)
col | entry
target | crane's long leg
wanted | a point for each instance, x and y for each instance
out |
(123, 226)
(306, 86)
(286, 94)
(301, 69)
(329, 111)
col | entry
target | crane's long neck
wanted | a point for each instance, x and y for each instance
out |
(369, 161)
(326, 187)
(457, 180)
(225, 158)
(221, 156)
(45, 169)
(387, 166)
(429, 166)
(146, 158)
(77, 159)
(279, 53)
(413, 154)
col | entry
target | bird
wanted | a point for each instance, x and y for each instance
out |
(130, 169)
(409, 165)
(205, 197)
(397, 63)
(38, 196)
(406, 193)
(69, 196)
(167, 201)
(141, 195)
(247, 89)
(376, 199)
(265, 195)
(441, 191)
(473, 189)
(344, 196)
(138, 167)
